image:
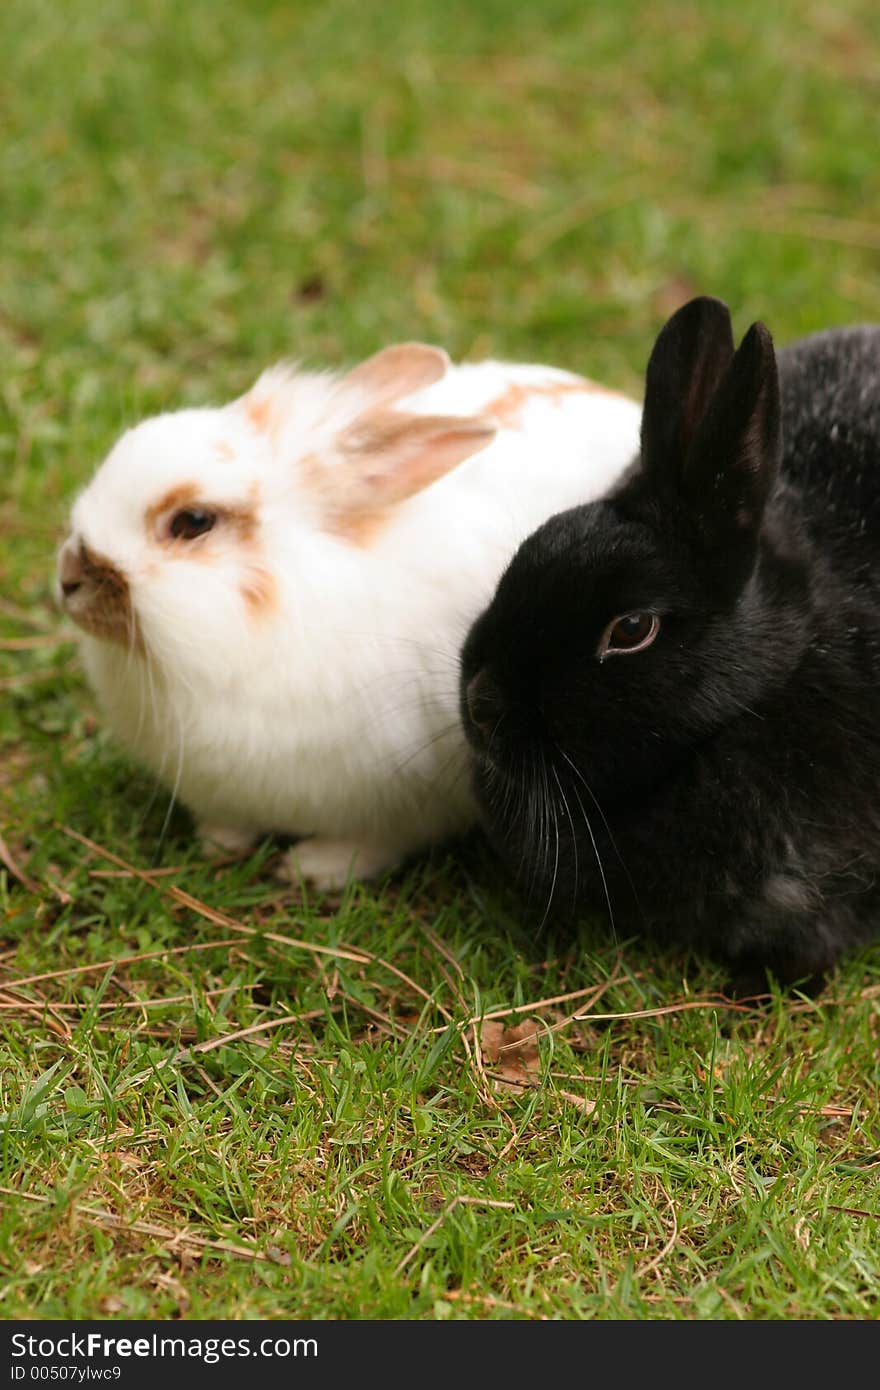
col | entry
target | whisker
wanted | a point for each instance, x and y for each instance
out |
(423, 748)
(598, 858)
(551, 806)
(174, 790)
(449, 655)
(574, 896)
(620, 859)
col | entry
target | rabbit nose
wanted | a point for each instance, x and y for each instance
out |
(484, 702)
(71, 568)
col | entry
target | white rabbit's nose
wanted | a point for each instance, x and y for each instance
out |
(95, 593)
(71, 566)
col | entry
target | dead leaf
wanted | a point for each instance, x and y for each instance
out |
(511, 1052)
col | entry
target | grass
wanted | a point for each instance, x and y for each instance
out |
(189, 192)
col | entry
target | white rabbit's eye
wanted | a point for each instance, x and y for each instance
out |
(190, 522)
(630, 633)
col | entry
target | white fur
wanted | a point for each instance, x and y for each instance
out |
(335, 714)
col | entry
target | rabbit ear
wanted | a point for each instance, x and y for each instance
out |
(389, 456)
(711, 433)
(283, 393)
(396, 372)
(690, 356)
(732, 461)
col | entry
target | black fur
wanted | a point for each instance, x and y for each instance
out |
(721, 786)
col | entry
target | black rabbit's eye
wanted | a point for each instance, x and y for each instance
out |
(630, 633)
(190, 522)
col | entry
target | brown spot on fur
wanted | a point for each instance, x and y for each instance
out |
(224, 450)
(260, 592)
(312, 473)
(97, 595)
(261, 413)
(508, 407)
(243, 518)
(359, 528)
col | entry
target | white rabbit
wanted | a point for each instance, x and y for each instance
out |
(274, 592)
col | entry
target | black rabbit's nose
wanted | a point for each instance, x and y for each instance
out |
(484, 702)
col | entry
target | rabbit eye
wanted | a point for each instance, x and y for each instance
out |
(190, 522)
(630, 633)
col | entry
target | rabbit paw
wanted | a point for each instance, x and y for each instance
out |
(329, 864)
(224, 839)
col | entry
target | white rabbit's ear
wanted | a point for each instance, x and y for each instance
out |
(391, 455)
(388, 456)
(396, 372)
(284, 394)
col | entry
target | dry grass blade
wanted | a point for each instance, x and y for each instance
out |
(174, 1239)
(486, 1300)
(592, 994)
(27, 644)
(164, 1001)
(44, 1011)
(211, 1043)
(210, 914)
(35, 617)
(388, 1025)
(533, 1083)
(582, 1103)
(112, 962)
(443, 950)
(471, 1045)
(149, 873)
(668, 1246)
(358, 955)
(16, 870)
(721, 1002)
(458, 1201)
(32, 677)
(831, 1112)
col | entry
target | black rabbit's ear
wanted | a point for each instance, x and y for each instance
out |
(732, 460)
(690, 356)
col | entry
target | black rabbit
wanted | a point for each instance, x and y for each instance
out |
(673, 697)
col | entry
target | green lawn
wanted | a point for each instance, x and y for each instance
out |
(188, 192)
